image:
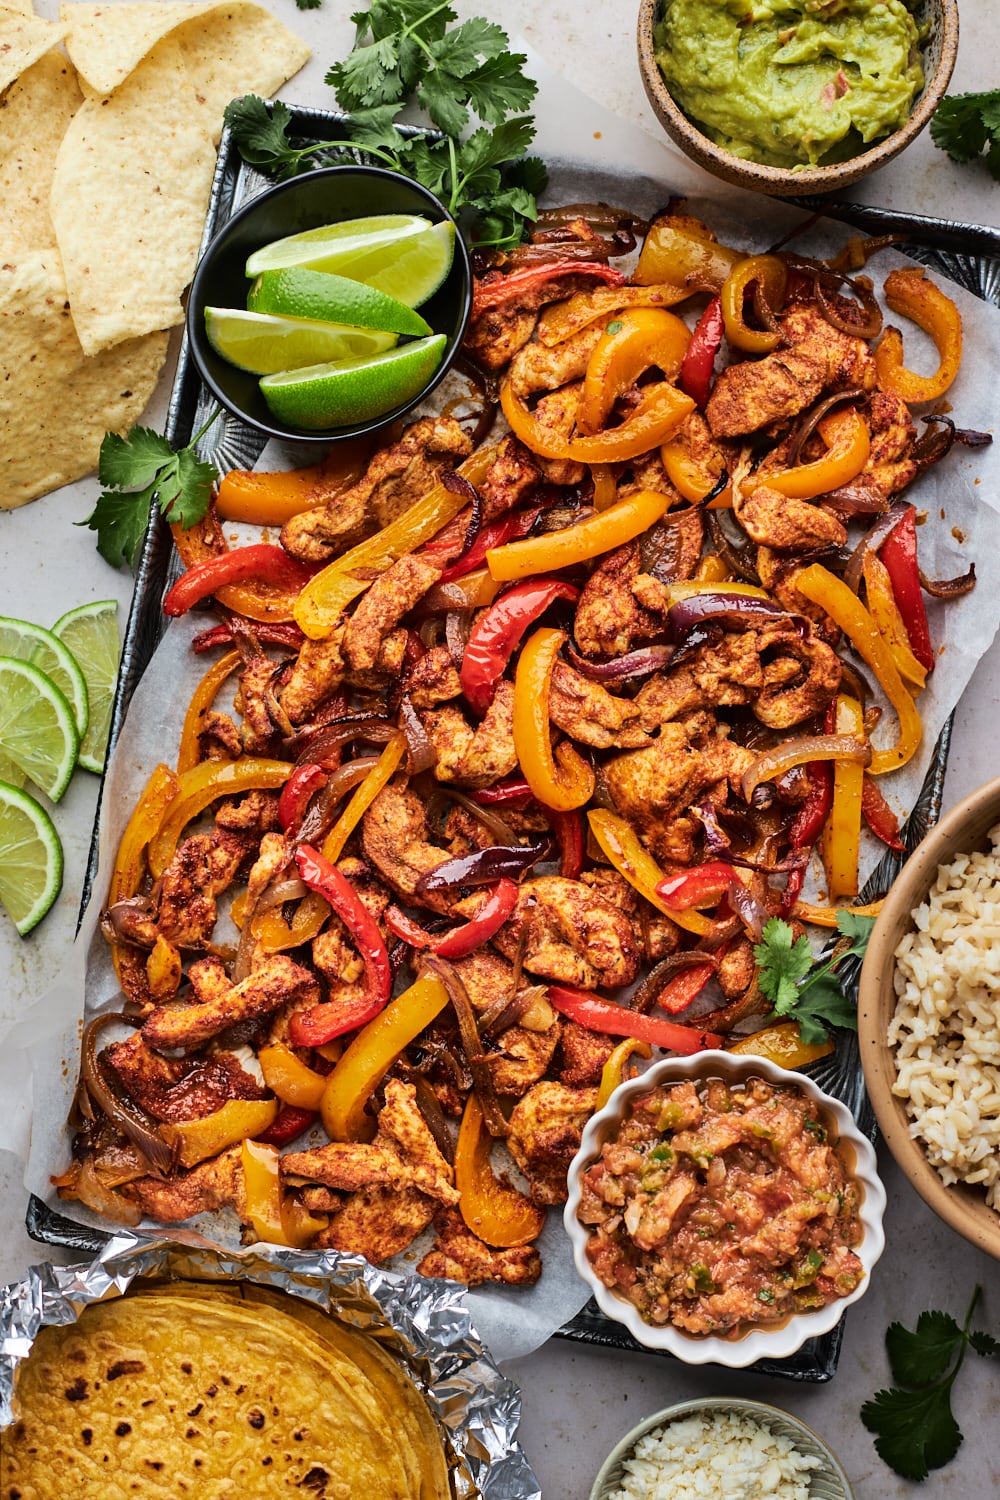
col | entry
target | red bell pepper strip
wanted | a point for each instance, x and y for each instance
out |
(793, 889)
(684, 987)
(597, 1014)
(879, 815)
(899, 553)
(289, 1122)
(489, 294)
(698, 886)
(508, 528)
(297, 791)
(698, 363)
(320, 1024)
(513, 789)
(263, 561)
(468, 935)
(274, 632)
(568, 829)
(807, 825)
(497, 631)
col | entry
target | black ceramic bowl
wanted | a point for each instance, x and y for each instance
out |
(325, 196)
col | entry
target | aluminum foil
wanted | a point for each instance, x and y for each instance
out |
(423, 1322)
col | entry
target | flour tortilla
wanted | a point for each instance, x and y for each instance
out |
(24, 38)
(34, 116)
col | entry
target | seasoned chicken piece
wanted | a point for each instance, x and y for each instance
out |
(277, 981)
(737, 968)
(890, 465)
(587, 712)
(383, 605)
(610, 621)
(787, 524)
(258, 680)
(396, 841)
(459, 1255)
(403, 1154)
(275, 853)
(396, 477)
(557, 413)
(313, 676)
(434, 679)
(804, 692)
(202, 868)
(334, 952)
(583, 1054)
(378, 1223)
(545, 1130)
(538, 368)
(777, 576)
(570, 934)
(474, 757)
(521, 1058)
(212, 1184)
(498, 330)
(256, 812)
(208, 979)
(487, 976)
(319, 1200)
(176, 1088)
(218, 737)
(511, 478)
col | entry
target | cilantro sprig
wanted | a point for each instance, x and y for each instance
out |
(141, 469)
(803, 990)
(966, 125)
(472, 88)
(913, 1421)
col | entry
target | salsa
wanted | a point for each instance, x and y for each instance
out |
(791, 83)
(717, 1208)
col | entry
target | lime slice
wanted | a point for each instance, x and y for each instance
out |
(356, 390)
(91, 633)
(407, 263)
(31, 858)
(45, 651)
(37, 728)
(297, 292)
(13, 775)
(262, 344)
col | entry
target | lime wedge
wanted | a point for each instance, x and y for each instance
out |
(349, 240)
(408, 263)
(356, 390)
(262, 344)
(45, 651)
(31, 858)
(37, 728)
(90, 632)
(297, 292)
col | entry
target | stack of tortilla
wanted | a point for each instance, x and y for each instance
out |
(109, 121)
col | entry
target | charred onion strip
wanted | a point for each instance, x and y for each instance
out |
(948, 588)
(468, 1030)
(125, 1115)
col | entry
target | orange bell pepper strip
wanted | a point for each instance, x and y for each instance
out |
(490, 1206)
(130, 862)
(271, 499)
(885, 612)
(711, 570)
(847, 611)
(690, 480)
(328, 593)
(771, 276)
(659, 414)
(290, 1078)
(163, 970)
(633, 342)
(237, 1120)
(372, 1053)
(260, 601)
(565, 785)
(782, 1044)
(826, 916)
(909, 291)
(681, 252)
(561, 320)
(275, 1219)
(364, 796)
(201, 701)
(621, 522)
(605, 485)
(206, 783)
(613, 1072)
(848, 443)
(619, 841)
(840, 844)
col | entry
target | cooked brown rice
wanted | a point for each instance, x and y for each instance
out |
(946, 1029)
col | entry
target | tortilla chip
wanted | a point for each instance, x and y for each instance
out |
(34, 116)
(131, 187)
(55, 404)
(24, 38)
(23, 7)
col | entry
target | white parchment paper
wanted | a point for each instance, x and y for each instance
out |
(592, 154)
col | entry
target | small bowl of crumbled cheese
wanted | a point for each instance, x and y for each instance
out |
(721, 1450)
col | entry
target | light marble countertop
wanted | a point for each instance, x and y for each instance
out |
(578, 1401)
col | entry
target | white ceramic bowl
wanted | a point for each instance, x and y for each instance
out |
(827, 1482)
(757, 1343)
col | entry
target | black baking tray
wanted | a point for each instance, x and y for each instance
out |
(967, 254)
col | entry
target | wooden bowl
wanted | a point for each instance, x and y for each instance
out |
(963, 829)
(939, 53)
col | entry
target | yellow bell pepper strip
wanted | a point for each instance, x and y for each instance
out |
(237, 1120)
(659, 414)
(848, 441)
(364, 795)
(206, 783)
(130, 862)
(711, 570)
(633, 342)
(598, 1014)
(565, 785)
(783, 1045)
(561, 320)
(826, 916)
(692, 587)
(908, 291)
(163, 970)
(274, 935)
(624, 520)
(275, 1220)
(676, 253)
(771, 276)
(885, 612)
(490, 1206)
(847, 611)
(290, 1078)
(840, 844)
(605, 485)
(619, 841)
(201, 701)
(691, 481)
(325, 597)
(613, 1072)
(271, 499)
(372, 1053)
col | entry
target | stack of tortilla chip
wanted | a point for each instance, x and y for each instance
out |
(107, 152)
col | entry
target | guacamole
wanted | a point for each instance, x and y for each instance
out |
(791, 83)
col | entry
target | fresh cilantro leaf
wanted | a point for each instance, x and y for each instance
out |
(443, 103)
(916, 1431)
(260, 133)
(135, 461)
(923, 1356)
(964, 125)
(781, 963)
(185, 488)
(499, 87)
(858, 929)
(985, 1344)
(820, 1005)
(808, 992)
(529, 173)
(120, 521)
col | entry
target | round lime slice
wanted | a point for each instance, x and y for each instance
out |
(28, 642)
(298, 292)
(37, 728)
(31, 858)
(264, 344)
(356, 390)
(90, 632)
